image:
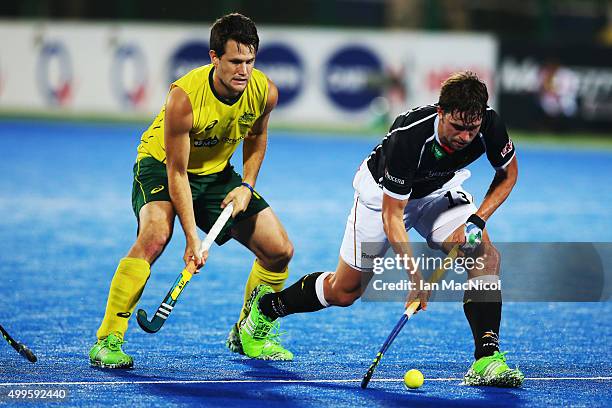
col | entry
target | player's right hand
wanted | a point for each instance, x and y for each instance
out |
(420, 294)
(240, 197)
(191, 254)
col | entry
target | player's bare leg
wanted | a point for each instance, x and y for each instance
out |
(482, 307)
(155, 230)
(345, 285)
(311, 293)
(266, 237)
(156, 222)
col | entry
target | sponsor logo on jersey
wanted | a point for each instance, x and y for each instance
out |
(229, 140)
(246, 119)
(396, 180)
(285, 68)
(157, 189)
(211, 125)
(368, 256)
(434, 174)
(437, 151)
(507, 149)
(351, 77)
(208, 142)
(54, 72)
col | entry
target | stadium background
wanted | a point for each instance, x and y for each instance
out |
(344, 64)
(79, 81)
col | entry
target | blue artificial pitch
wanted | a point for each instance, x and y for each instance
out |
(66, 220)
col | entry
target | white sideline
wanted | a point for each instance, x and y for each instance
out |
(322, 381)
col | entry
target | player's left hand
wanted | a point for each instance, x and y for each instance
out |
(473, 237)
(241, 197)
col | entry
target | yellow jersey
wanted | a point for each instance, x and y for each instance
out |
(218, 125)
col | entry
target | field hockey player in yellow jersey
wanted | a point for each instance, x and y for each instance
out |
(182, 168)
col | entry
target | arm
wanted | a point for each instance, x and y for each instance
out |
(253, 152)
(499, 148)
(393, 224)
(254, 147)
(501, 154)
(499, 190)
(178, 121)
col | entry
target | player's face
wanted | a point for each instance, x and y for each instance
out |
(454, 132)
(233, 69)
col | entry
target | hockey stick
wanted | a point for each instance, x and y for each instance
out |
(412, 307)
(19, 347)
(166, 306)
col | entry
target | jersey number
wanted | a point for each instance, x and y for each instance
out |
(457, 200)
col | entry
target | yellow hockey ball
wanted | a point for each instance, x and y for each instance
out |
(413, 379)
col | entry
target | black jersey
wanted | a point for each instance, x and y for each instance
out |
(411, 163)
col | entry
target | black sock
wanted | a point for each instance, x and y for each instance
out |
(483, 311)
(301, 297)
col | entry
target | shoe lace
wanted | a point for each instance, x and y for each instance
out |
(500, 356)
(274, 336)
(114, 343)
(263, 327)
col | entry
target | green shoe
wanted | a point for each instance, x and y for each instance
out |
(234, 344)
(258, 334)
(107, 353)
(233, 340)
(493, 371)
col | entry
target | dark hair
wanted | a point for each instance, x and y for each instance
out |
(235, 27)
(465, 95)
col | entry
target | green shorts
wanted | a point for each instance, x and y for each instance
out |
(151, 184)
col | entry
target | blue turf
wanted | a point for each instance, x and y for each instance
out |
(66, 219)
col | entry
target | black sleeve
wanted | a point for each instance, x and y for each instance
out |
(402, 154)
(500, 149)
